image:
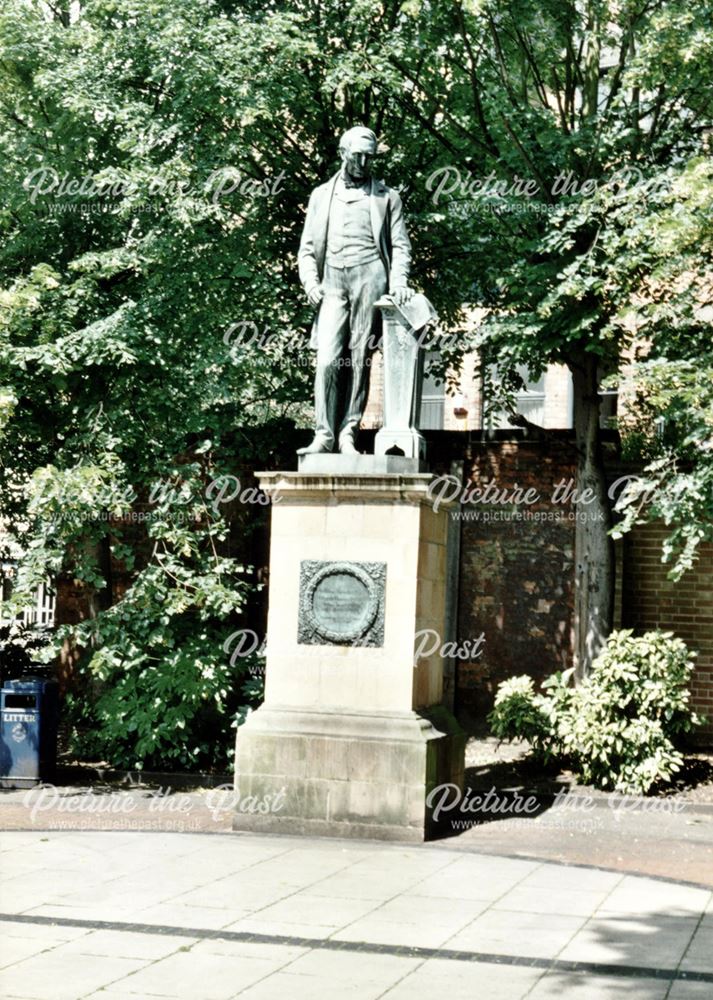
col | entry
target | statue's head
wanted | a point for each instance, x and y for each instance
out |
(357, 148)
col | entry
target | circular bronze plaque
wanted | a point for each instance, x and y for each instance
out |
(340, 602)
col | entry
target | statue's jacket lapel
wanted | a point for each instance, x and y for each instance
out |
(379, 216)
(322, 223)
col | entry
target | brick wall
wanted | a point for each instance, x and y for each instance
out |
(650, 600)
(517, 581)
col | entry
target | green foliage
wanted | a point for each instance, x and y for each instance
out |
(621, 726)
(625, 721)
(520, 714)
(673, 428)
(168, 707)
(158, 689)
(22, 647)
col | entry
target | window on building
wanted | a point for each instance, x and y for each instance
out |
(530, 402)
(608, 400)
(548, 401)
(433, 397)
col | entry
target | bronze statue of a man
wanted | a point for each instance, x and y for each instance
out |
(354, 249)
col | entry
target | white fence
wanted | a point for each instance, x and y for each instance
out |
(41, 613)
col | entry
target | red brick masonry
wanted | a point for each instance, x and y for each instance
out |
(651, 600)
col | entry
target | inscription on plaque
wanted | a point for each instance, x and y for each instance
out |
(341, 603)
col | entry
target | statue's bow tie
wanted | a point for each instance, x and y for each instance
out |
(349, 183)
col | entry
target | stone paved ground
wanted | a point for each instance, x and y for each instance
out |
(669, 838)
(110, 915)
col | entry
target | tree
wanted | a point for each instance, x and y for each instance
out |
(670, 387)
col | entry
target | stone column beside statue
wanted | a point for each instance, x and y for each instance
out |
(403, 327)
(353, 734)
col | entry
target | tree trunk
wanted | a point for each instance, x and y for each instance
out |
(592, 59)
(76, 603)
(593, 548)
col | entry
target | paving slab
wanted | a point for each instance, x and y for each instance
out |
(658, 837)
(190, 975)
(552, 899)
(438, 978)
(690, 991)
(660, 942)
(60, 976)
(700, 951)
(526, 935)
(15, 949)
(576, 986)
(282, 985)
(125, 944)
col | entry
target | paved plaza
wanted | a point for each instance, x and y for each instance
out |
(210, 917)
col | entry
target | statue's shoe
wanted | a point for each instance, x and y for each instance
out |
(346, 447)
(316, 447)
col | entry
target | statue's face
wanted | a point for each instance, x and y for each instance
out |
(358, 159)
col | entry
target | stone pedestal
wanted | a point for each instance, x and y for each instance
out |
(352, 734)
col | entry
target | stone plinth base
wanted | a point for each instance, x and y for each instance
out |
(353, 725)
(345, 774)
(346, 465)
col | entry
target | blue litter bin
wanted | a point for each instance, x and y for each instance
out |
(29, 713)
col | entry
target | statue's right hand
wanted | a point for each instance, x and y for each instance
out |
(315, 295)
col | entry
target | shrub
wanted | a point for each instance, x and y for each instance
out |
(163, 709)
(519, 714)
(160, 693)
(622, 725)
(20, 645)
(156, 688)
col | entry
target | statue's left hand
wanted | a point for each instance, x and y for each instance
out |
(401, 294)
